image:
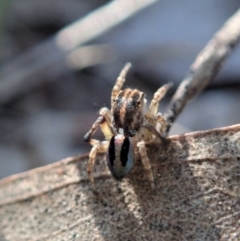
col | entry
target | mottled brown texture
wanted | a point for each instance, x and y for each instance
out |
(196, 196)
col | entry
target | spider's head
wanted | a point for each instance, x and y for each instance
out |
(120, 156)
(127, 111)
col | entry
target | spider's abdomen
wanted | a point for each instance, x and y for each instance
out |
(120, 156)
(127, 111)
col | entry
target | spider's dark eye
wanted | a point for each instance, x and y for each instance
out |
(138, 102)
(116, 100)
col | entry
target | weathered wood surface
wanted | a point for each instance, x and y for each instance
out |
(196, 196)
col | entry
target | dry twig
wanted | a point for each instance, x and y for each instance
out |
(206, 67)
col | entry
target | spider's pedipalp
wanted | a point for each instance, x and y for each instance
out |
(105, 112)
(106, 127)
(119, 82)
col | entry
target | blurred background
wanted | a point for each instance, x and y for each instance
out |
(60, 59)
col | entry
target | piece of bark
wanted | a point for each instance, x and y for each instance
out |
(196, 197)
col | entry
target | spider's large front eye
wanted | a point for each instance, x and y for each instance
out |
(141, 99)
(120, 156)
(116, 100)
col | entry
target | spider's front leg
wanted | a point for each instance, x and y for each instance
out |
(105, 116)
(93, 129)
(119, 82)
(104, 122)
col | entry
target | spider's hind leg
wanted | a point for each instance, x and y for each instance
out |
(98, 147)
(146, 162)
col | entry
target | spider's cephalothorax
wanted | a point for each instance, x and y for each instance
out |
(127, 111)
(126, 129)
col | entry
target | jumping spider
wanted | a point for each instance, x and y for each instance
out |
(126, 129)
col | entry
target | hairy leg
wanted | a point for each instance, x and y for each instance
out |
(160, 119)
(100, 120)
(98, 146)
(146, 162)
(154, 105)
(104, 122)
(119, 82)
